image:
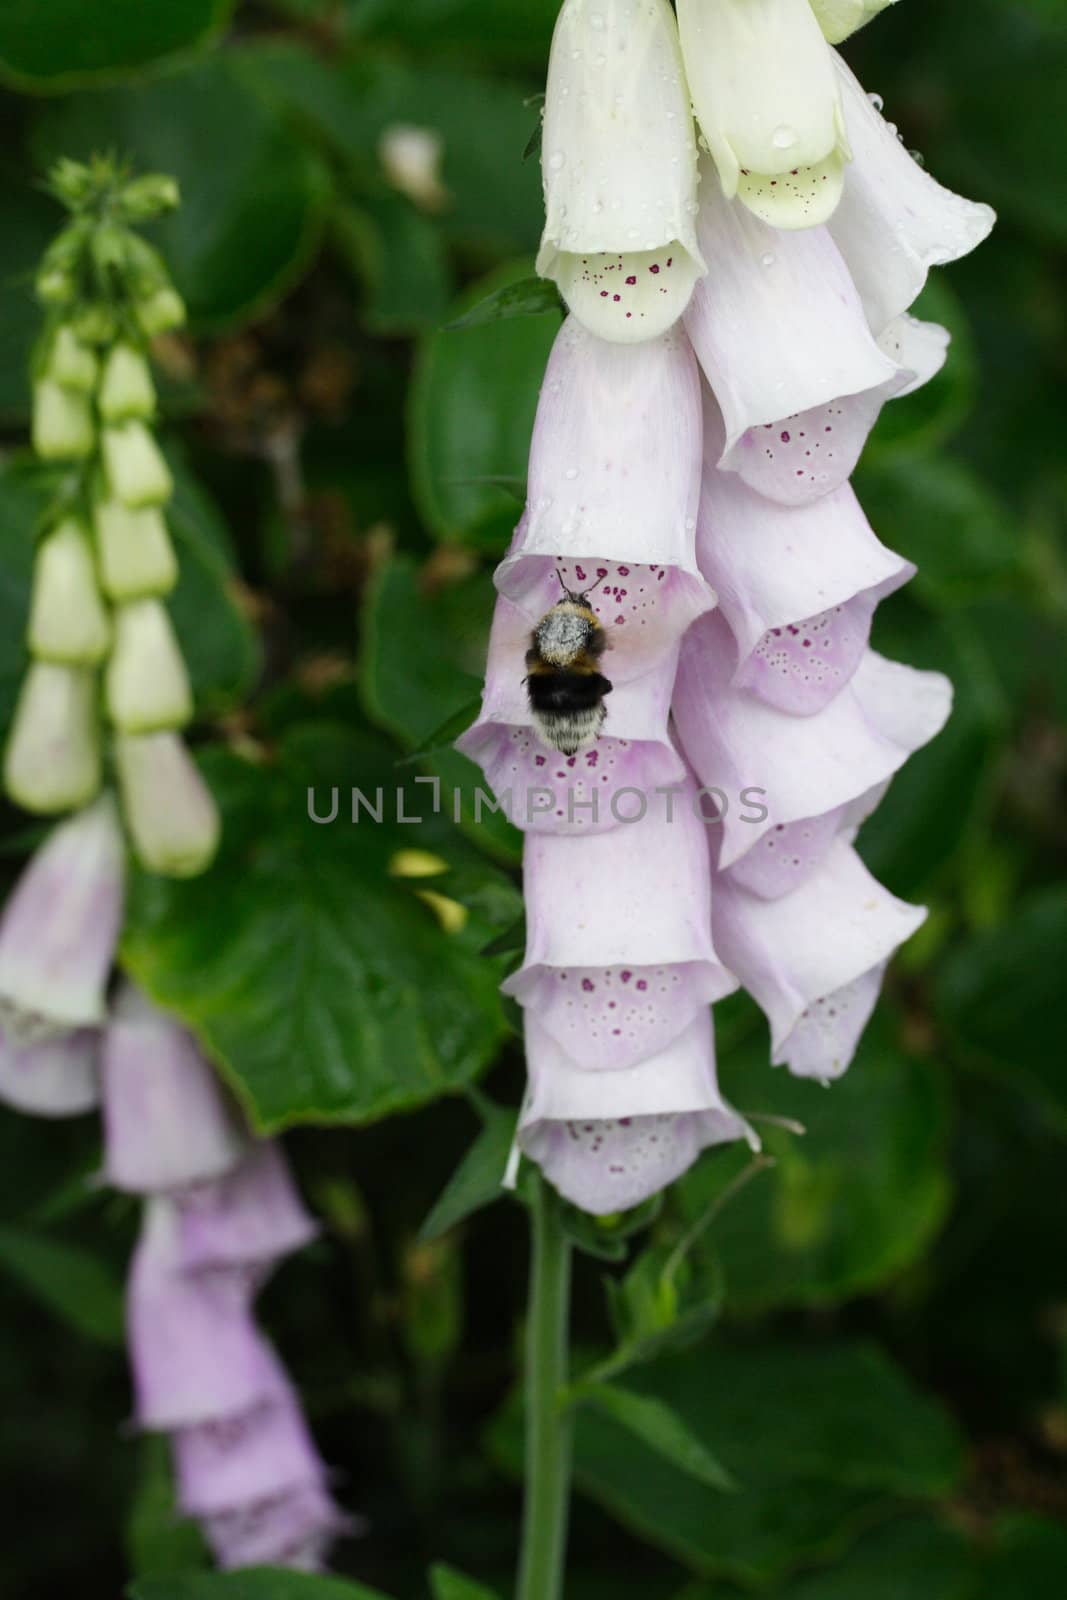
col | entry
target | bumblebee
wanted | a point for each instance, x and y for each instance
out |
(564, 681)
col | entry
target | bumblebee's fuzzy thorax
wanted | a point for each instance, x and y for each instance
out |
(564, 681)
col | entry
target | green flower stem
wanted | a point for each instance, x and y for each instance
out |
(548, 1423)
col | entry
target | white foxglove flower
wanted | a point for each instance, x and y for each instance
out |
(146, 682)
(840, 18)
(134, 550)
(60, 926)
(68, 622)
(169, 809)
(126, 387)
(63, 428)
(411, 160)
(55, 1077)
(619, 164)
(768, 104)
(71, 363)
(895, 222)
(52, 760)
(136, 470)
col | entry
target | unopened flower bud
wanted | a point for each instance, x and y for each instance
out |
(52, 761)
(55, 286)
(840, 18)
(134, 551)
(62, 422)
(71, 363)
(149, 197)
(147, 685)
(68, 622)
(94, 324)
(160, 312)
(126, 389)
(136, 470)
(411, 160)
(169, 808)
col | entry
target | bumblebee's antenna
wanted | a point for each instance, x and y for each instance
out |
(581, 594)
(562, 584)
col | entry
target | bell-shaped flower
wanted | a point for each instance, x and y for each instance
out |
(599, 788)
(768, 104)
(618, 982)
(68, 622)
(71, 363)
(614, 482)
(160, 311)
(195, 1352)
(619, 164)
(60, 927)
(250, 1217)
(798, 585)
(293, 1529)
(63, 428)
(134, 550)
(136, 471)
(146, 683)
(168, 1124)
(52, 760)
(838, 19)
(895, 222)
(169, 809)
(814, 959)
(56, 1077)
(608, 1140)
(126, 387)
(802, 768)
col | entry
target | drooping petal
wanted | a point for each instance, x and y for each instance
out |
(250, 1217)
(52, 760)
(167, 1124)
(763, 85)
(774, 565)
(584, 793)
(294, 1529)
(895, 222)
(801, 458)
(195, 1353)
(801, 767)
(777, 326)
(619, 165)
(810, 958)
(608, 1140)
(54, 1078)
(60, 927)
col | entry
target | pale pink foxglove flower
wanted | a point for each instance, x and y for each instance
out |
(56, 1077)
(619, 165)
(60, 927)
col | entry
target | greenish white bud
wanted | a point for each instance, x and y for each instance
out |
(169, 809)
(126, 388)
(160, 312)
(136, 470)
(148, 197)
(146, 683)
(68, 621)
(52, 761)
(71, 363)
(94, 323)
(62, 422)
(840, 18)
(55, 286)
(134, 551)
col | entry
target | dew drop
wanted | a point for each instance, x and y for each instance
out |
(767, 259)
(556, 161)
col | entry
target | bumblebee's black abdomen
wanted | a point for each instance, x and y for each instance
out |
(566, 691)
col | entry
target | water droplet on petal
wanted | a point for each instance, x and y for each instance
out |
(556, 160)
(784, 137)
(767, 259)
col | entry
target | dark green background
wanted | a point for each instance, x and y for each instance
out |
(886, 1379)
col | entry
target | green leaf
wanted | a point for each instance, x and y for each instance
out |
(530, 297)
(25, 491)
(477, 1180)
(323, 987)
(28, 221)
(661, 1429)
(71, 1282)
(254, 198)
(472, 410)
(849, 1204)
(255, 1583)
(926, 419)
(1030, 1559)
(399, 255)
(522, 29)
(818, 1437)
(47, 44)
(1001, 995)
(448, 1584)
(158, 1540)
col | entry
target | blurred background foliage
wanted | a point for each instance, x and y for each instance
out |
(886, 1383)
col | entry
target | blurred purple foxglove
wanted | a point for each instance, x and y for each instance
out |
(247, 1219)
(620, 183)
(168, 1125)
(60, 927)
(56, 1077)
